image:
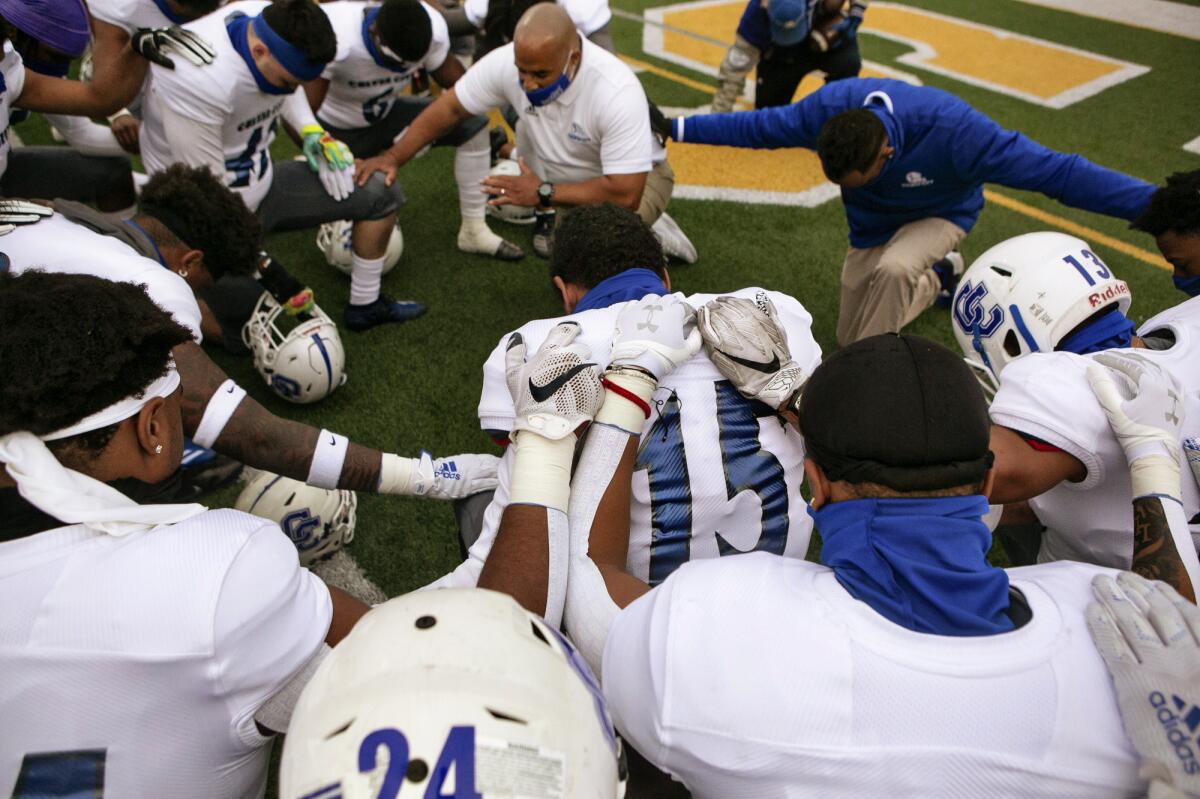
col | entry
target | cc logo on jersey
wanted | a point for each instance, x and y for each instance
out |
(969, 313)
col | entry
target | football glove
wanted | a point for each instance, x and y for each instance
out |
(655, 334)
(153, 44)
(320, 147)
(1144, 405)
(14, 213)
(455, 476)
(559, 389)
(748, 346)
(660, 124)
(1149, 637)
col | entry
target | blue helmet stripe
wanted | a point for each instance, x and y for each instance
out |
(1019, 321)
(263, 493)
(328, 364)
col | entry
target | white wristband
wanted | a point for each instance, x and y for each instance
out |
(1155, 474)
(405, 476)
(542, 470)
(327, 460)
(218, 412)
(123, 112)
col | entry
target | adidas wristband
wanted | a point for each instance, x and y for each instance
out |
(327, 460)
(217, 413)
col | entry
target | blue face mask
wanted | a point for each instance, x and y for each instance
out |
(548, 94)
(1188, 285)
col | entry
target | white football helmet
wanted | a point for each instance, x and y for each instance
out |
(320, 521)
(333, 240)
(1026, 295)
(460, 681)
(516, 214)
(304, 365)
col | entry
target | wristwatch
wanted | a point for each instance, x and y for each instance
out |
(545, 193)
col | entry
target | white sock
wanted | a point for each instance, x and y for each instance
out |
(472, 161)
(366, 275)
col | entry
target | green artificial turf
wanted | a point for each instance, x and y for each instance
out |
(416, 385)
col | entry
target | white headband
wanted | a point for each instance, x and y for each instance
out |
(75, 498)
(120, 410)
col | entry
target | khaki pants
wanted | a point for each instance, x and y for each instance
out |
(886, 287)
(660, 183)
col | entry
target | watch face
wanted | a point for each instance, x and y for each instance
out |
(545, 190)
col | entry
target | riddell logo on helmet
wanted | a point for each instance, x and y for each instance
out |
(1111, 293)
(1180, 731)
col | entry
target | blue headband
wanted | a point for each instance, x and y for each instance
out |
(287, 54)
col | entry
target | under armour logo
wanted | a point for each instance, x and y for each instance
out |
(649, 323)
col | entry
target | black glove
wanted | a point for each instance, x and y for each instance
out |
(660, 124)
(153, 44)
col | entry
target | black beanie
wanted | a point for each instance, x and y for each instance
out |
(901, 411)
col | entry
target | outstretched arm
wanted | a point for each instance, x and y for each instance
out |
(217, 413)
(442, 116)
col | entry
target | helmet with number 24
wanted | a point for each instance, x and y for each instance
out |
(456, 692)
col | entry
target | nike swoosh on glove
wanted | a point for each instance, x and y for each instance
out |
(746, 343)
(559, 389)
(1149, 637)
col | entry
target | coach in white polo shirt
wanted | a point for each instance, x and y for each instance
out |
(584, 134)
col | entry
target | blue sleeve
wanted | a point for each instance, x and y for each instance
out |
(755, 25)
(795, 125)
(984, 152)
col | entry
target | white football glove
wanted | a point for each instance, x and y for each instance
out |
(748, 346)
(1144, 405)
(1149, 637)
(559, 389)
(455, 476)
(14, 213)
(153, 44)
(655, 334)
(337, 182)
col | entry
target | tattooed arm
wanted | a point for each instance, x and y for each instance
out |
(255, 436)
(1146, 415)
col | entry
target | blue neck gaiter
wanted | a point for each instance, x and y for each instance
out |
(168, 13)
(1188, 285)
(921, 563)
(632, 284)
(1111, 331)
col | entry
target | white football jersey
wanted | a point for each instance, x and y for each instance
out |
(362, 90)
(761, 677)
(134, 665)
(130, 15)
(1047, 395)
(12, 82)
(589, 16)
(599, 126)
(716, 473)
(221, 92)
(56, 244)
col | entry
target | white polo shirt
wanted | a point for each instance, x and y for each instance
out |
(589, 16)
(599, 126)
(361, 90)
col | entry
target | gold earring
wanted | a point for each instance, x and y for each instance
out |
(158, 449)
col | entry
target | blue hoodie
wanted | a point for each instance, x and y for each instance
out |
(945, 152)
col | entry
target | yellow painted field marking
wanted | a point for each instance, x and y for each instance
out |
(1038, 71)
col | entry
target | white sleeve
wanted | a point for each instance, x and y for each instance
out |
(297, 112)
(439, 45)
(476, 11)
(495, 403)
(1047, 396)
(634, 666)
(1181, 534)
(194, 142)
(625, 140)
(467, 573)
(271, 619)
(481, 88)
(84, 135)
(590, 610)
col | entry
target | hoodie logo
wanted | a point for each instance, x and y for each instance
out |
(915, 180)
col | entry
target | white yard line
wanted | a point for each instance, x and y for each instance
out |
(1156, 15)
